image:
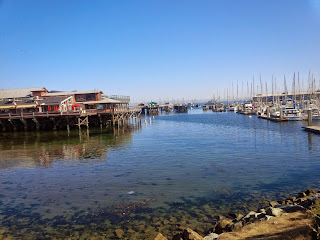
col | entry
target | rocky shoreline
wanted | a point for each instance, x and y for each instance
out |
(235, 222)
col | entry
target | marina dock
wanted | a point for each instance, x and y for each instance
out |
(273, 119)
(313, 129)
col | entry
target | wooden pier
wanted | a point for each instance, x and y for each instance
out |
(66, 120)
(181, 108)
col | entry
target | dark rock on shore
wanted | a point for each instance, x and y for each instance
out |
(223, 225)
(187, 234)
(273, 203)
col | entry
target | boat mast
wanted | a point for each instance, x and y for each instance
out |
(266, 93)
(285, 89)
(294, 87)
(272, 91)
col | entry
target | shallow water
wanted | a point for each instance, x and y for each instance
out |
(181, 168)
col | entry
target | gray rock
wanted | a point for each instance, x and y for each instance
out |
(211, 236)
(310, 192)
(274, 211)
(189, 234)
(237, 226)
(261, 210)
(292, 208)
(223, 225)
(260, 215)
(253, 216)
(267, 217)
(291, 199)
(302, 194)
(307, 203)
(273, 203)
(250, 215)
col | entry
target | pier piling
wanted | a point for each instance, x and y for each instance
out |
(309, 117)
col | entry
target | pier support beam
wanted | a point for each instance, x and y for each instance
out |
(3, 126)
(84, 122)
(309, 117)
(68, 125)
(281, 113)
(14, 127)
(36, 123)
(25, 125)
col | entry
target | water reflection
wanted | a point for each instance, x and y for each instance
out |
(41, 149)
(310, 140)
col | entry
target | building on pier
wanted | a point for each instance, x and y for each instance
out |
(37, 108)
(22, 93)
(56, 103)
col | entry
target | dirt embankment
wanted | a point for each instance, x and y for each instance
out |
(287, 226)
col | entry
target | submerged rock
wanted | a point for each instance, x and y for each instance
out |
(265, 204)
(160, 237)
(98, 238)
(119, 233)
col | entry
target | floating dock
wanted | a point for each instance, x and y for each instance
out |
(313, 129)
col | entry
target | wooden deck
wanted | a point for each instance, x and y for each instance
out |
(313, 129)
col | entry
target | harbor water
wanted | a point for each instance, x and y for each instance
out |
(178, 169)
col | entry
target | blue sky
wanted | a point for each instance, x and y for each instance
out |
(157, 49)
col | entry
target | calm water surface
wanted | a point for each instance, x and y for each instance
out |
(181, 168)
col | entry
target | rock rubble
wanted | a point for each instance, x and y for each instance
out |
(235, 222)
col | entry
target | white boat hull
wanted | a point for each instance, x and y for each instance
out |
(297, 118)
